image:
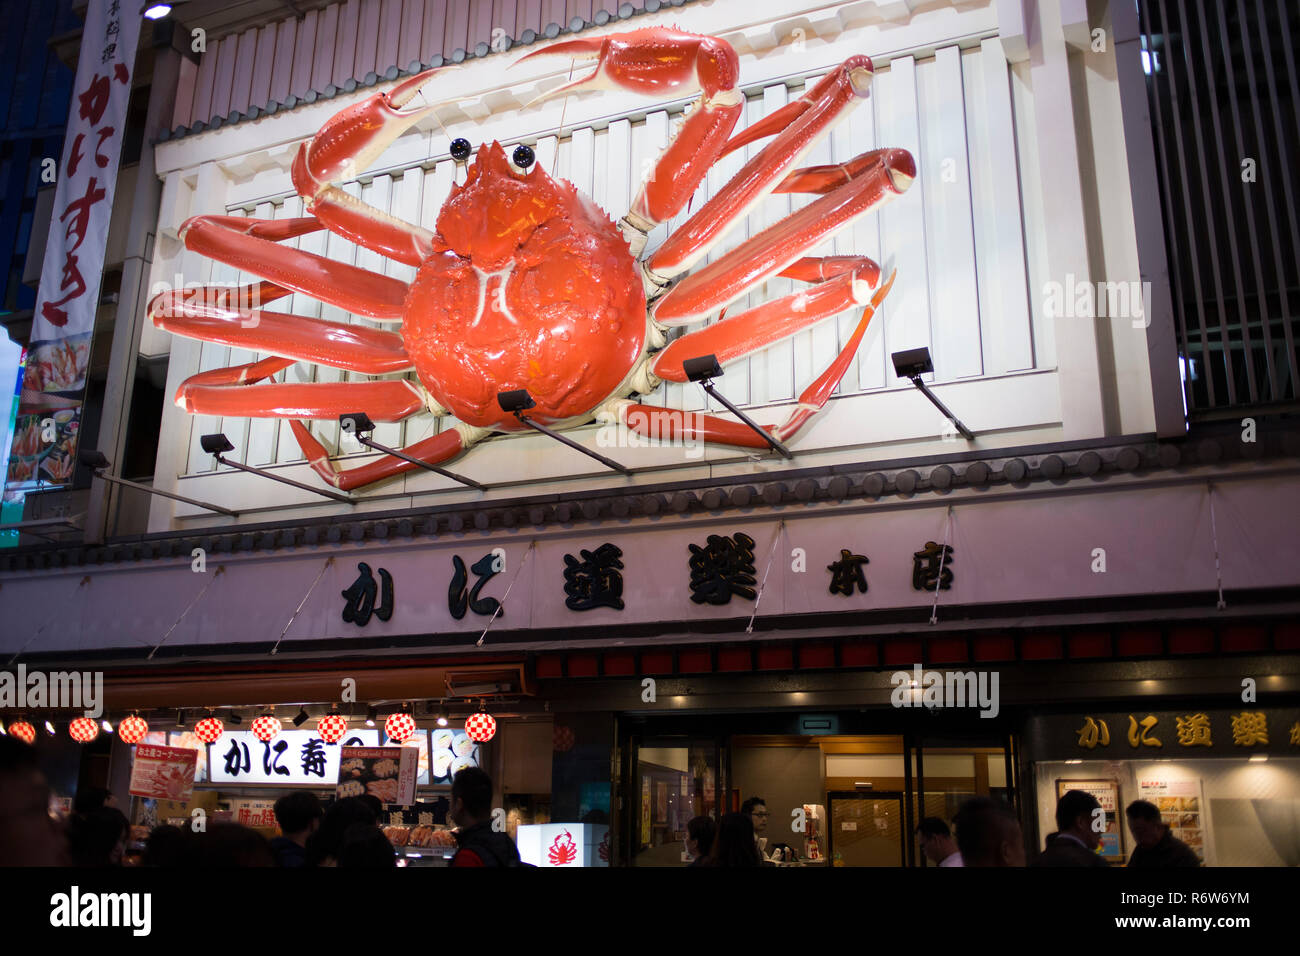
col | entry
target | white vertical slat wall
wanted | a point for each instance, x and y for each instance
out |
(956, 239)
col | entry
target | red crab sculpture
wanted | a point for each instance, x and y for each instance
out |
(525, 283)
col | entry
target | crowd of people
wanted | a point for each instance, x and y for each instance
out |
(347, 834)
(988, 834)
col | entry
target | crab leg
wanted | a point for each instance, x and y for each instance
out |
(772, 321)
(659, 61)
(711, 428)
(348, 143)
(432, 451)
(385, 401)
(888, 174)
(798, 125)
(357, 348)
(250, 245)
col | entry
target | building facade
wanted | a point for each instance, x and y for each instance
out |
(1100, 582)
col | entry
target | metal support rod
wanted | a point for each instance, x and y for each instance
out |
(167, 494)
(925, 390)
(572, 444)
(371, 443)
(714, 393)
(285, 481)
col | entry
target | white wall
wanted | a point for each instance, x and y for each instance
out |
(969, 241)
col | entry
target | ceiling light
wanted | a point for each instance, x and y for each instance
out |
(156, 11)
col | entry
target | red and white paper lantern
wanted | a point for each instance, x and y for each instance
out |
(400, 727)
(209, 729)
(23, 731)
(481, 727)
(83, 730)
(332, 727)
(132, 729)
(267, 727)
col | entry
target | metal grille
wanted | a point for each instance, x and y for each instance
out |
(1225, 109)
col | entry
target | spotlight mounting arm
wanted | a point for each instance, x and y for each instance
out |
(703, 370)
(360, 427)
(518, 400)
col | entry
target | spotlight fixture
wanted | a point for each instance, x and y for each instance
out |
(234, 718)
(108, 728)
(517, 401)
(180, 719)
(217, 445)
(359, 426)
(371, 714)
(97, 463)
(49, 728)
(912, 364)
(703, 369)
(302, 717)
(156, 11)
(441, 719)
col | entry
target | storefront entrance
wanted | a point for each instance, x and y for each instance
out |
(866, 829)
(844, 798)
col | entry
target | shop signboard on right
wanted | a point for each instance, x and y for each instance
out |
(1225, 780)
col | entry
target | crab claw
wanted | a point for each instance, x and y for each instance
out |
(651, 61)
(353, 138)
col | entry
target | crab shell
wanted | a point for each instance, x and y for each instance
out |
(530, 285)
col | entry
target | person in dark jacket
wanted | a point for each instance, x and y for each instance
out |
(1156, 845)
(1077, 838)
(299, 815)
(366, 847)
(471, 810)
(700, 833)
(734, 845)
(988, 834)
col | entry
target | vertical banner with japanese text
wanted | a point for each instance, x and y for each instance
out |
(49, 415)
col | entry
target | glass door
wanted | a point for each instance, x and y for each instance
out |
(866, 829)
(673, 780)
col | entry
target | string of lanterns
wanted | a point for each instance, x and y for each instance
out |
(400, 727)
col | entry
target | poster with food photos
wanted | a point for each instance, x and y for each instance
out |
(384, 772)
(1181, 807)
(450, 752)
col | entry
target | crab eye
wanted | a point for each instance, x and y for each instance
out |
(460, 149)
(524, 156)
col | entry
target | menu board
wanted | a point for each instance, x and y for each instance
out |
(291, 758)
(451, 752)
(165, 773)
(1107, 794)
(1181, 807)
(384, 772)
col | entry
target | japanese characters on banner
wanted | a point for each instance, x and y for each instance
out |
(293, 757)
(49, 416)
(164, 773)
(384, 772)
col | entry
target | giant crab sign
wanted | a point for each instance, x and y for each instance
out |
(525, 283)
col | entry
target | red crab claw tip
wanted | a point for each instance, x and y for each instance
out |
(902, 168)
(351, 140)
(586, 48)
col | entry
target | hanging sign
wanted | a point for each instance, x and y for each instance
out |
(164, 773)
(49, 414)
(292, 758)
(384, 772)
